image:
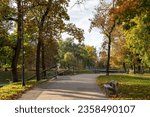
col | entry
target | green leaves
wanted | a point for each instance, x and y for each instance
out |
(79, 56)
(133, 17)
(137, 39)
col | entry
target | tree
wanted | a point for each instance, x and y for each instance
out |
(138, 43)
(49, 17)
(90, 57)
(69, 59)
(68, 46)
(44, 22)
(51, 52)
(102, 59)
(75, 32)
(118, 49)
(134, 17)
(15, 15)
(84, 55)
(105, 20)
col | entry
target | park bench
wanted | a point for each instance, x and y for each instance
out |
(111, 88)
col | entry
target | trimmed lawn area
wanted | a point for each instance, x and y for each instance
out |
(131, 87)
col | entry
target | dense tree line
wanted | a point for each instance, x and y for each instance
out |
(125, 25)
(36, 26)
(76, 56)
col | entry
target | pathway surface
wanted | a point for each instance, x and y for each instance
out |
(77, 87)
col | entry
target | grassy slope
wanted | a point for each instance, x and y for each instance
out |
(130, 86)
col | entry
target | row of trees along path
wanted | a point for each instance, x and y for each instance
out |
(37, 22)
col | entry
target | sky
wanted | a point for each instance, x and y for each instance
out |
(80, 15)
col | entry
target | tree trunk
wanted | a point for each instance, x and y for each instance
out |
(139, 69)
(18, 45)
(43, 60)
(134, 68)
(124, 66)
(38, 60)
(14, 67)
(108, 57)
(142, 71)
(40, 27)
(128, 70)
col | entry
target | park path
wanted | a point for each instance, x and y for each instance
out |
(76, 87)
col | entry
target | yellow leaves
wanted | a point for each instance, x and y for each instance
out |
(68, 57)
(14, 90)
(127, 5)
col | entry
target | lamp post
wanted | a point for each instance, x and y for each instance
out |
(22, 23)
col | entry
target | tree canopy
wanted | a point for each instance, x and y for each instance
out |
(32, 29)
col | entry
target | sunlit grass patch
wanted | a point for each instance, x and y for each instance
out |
(14, 90)
(130, 86)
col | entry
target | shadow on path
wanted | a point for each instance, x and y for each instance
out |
(78, 87)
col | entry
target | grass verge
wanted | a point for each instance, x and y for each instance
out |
(131, 87)
(15, 90)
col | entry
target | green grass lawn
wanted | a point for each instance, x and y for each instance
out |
(130, 86)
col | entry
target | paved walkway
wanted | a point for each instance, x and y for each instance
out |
(77, 87)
